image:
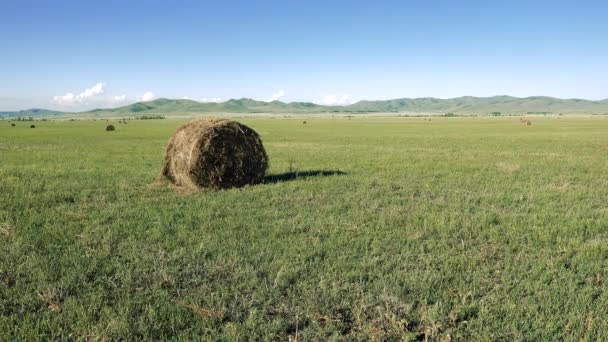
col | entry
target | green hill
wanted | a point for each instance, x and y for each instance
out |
(30, 112)
(168, 106)
(459, 105)
(466, 105)
(485, 105)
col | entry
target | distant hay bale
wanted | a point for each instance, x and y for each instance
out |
(304, 122)
(110, 128)
(216, 154)
(32, 126)
(529, 123)
(12, 125)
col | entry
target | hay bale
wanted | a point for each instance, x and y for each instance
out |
(529, 123)
(32, 126)
(216, 154)
(12, 125)
(110, 128)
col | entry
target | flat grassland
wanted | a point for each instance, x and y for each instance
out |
(368, 228)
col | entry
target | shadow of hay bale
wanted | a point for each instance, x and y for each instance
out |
(289, 176)
(163, 182)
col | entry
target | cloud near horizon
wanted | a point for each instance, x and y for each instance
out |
(87, 94)
(335, 100)
(119, 98)
(212, 99)
(147, 96)
(277, 96)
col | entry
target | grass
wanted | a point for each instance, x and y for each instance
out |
(396, 228)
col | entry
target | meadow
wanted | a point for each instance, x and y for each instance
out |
(365, 229)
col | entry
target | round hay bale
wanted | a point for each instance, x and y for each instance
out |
(216, 154)
(529, 123)
(110, 128)
(32, 126)
(12, 125)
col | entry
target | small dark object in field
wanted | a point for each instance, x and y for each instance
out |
(12, 125)
(110, 128)
(529, 123)
(304, 122)
(32, 126)
(215, 153)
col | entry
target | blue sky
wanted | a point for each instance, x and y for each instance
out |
(109, 53)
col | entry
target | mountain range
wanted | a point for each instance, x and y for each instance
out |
(460, 105)
(31, 112)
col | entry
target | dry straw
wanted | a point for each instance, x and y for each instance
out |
(216, 154)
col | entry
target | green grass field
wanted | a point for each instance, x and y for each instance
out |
(395, 229)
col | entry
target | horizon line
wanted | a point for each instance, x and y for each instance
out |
(310, 102)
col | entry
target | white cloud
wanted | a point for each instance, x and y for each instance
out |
(147, 96)
(212, 99)
(88, 93)
(335, 100)
(65, 99)
(97, 89)
(185, 98)
(276, 96)
(119, 98)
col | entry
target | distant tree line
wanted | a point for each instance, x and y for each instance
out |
(150, 117)
(20, 118)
